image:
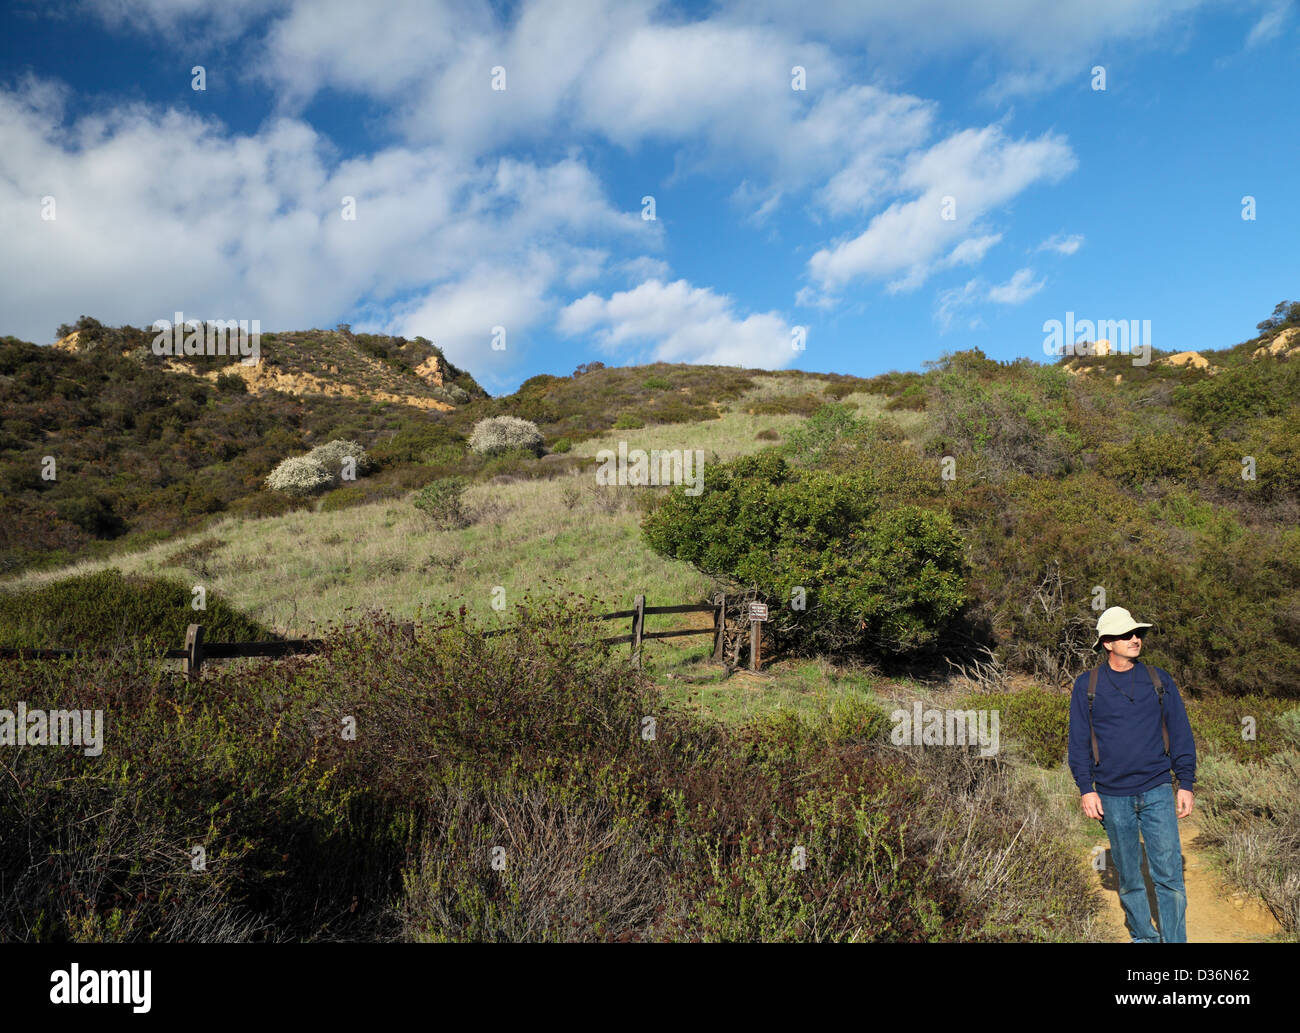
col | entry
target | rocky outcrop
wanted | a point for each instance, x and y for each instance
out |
(1283, 346)
(1190, 360)
(261, 378)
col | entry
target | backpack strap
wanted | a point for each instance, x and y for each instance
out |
(1158, 684)
(1092, 694)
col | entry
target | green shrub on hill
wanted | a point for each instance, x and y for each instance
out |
(886, 579)
(1017, 417)
(107, 609)
(443, 502)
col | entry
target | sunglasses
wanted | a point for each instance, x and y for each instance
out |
(1135, 633)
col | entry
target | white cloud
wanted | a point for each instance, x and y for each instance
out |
(1062, 244)
(1270, 24)
(1030, 45)
(951, 301)
(462, 315)
(675, 322)
(954, 301)
(254, 228)
(644, 267)
(971, 251)
(979, 169)
(1021, 287)
(209, 20)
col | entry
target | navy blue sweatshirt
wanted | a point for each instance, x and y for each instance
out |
(1126, 716)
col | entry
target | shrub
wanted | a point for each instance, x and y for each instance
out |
(105, 609)
(562, 446)
(1016, 419)
(1249, 811)
(231, 383)
(323, 466)
(443, 502)
(432, 442)
(883, 578)
(627, 421)
(92, 513)
(343, 498)
(1179, 456)
(784, 405)
(333, 455)
(498, 434)
(839, 389)
(1224, 403)
(657, 384)
(531, 740)
(811, 442)
(913, 398)
(1217, 725)
(299, 475)
(1037, 720)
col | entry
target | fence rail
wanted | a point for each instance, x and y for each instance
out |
(196, 652)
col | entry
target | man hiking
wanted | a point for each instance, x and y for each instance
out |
(1128, 728)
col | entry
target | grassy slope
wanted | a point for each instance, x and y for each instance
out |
(303, 567)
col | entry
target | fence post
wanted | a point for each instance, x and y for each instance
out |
(638, 629)
(755, 644)
(193, 661)
(719, 626)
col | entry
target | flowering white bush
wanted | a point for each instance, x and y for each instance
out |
(299, 475)
(331, 455)
(319, 468)
(500, 433)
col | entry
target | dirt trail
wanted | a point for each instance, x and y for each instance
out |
(1215, 912)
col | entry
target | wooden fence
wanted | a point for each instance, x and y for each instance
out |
(196, 652)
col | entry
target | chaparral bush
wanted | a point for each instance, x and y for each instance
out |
(443, 502)
(334, 456)
(106, 609)
(871, 576)
(504, 433)
(324, 466)
(299, 475)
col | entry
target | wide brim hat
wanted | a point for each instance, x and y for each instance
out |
(1116, 621)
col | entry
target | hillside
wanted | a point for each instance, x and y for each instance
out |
(146, 446)
(1128, 477)
(1066, 478)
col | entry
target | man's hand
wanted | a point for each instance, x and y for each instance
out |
(1184, 802)
(1091, 803)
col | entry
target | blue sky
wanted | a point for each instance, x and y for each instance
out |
(776, 208)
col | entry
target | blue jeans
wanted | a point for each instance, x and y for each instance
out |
(1153, 814)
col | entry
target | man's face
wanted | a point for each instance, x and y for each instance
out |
(1127, 647)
